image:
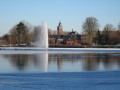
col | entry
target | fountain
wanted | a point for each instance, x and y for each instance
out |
(42, 39)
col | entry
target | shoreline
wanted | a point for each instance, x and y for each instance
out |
(37, 48)
(34, 50)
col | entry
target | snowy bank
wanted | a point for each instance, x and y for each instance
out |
(105, 80)
(25, 50)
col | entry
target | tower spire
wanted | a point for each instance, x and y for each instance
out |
(60, 23)
(60, 29)
(119, 26)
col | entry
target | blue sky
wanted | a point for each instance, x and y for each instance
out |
(72, 13)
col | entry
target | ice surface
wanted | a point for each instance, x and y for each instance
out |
(104, 80)
(34, 50)
(107, 80)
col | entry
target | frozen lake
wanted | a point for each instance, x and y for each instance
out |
(82, 69)
(43, 61)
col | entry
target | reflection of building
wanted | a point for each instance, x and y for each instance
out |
(60, 29)
(59, 63)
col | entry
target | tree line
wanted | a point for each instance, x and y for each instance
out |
(93, 35)
(25, 33)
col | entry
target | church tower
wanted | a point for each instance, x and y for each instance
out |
(119, 26)
(60, 29)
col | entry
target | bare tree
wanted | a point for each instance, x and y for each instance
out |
(109, 34)
(13, 38)
(90, 27)
(35, 33)
(109, 27)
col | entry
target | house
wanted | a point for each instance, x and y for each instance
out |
(51, 39)
(71, 39)
(69, 42)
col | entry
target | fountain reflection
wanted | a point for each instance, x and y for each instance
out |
(42, 61)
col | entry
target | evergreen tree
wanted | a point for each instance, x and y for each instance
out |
(22, 32)
(97, 39)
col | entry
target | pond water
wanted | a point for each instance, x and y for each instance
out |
(51, 62)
